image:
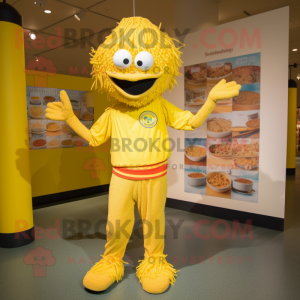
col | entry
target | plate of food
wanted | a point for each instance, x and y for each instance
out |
(36, 112)
(39, 144)
(195, 152)
(219, 70)
(49, 99)
(218, 182)
(246, 74)
(67, 143)
(52, 126)
(196, 178)
(219, 127)
(221, 150)
(65, 129)
(246, 100)
(87, 117)
(55, 143)
(246, 163)
(195, 75)
(245, 150)
(196, 102)
(253, 123)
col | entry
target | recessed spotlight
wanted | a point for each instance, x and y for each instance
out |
(47, 11)
(32, 35)
(79, 15)
(295, 49)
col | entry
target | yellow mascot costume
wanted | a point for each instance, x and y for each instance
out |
(135, 65)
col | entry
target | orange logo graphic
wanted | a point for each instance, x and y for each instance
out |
(94, 165)
(39, 258)
(41, 69)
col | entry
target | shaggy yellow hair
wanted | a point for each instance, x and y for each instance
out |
(136, 34)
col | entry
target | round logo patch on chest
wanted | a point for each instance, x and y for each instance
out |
(148, 119)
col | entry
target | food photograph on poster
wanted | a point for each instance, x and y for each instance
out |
(232, 130)
(49, 134)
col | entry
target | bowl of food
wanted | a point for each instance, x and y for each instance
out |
(196, 178)
(37, 127)
(219, 127)
(195, 152)
(242, 184)
(218, 182)
(39, 144)
(35, 100)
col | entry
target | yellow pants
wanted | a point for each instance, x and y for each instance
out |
(154, 272)
(150, 197)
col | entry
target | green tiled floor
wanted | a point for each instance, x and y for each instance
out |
(265, 267)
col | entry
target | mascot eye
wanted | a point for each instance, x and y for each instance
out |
(122, 59)
(144, 61)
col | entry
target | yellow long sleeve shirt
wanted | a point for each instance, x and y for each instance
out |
(139, 136)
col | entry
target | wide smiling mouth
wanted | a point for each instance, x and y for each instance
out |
(134, 88)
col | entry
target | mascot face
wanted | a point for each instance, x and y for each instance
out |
(136, 63)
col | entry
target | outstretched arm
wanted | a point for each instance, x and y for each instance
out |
(221, 91)
(62, 111)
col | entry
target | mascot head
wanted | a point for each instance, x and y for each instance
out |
(136, 63)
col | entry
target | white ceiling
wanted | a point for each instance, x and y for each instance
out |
(101, 15)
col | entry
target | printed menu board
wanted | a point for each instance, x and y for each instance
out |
(222, 156)
(48, 134)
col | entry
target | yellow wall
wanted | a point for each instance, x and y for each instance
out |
(61, 170)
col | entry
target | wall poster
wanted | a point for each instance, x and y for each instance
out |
(222, 156)
(48, 134)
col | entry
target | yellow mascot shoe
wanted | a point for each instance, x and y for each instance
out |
(156, 285)
(97, 282)
(156, 274)
(103, 274)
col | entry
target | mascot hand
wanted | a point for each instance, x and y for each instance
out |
(60, 111)
(224, 90)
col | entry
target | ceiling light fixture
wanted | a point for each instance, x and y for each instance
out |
(40, 2)
(79, 15)
(298, 76)
(295, 49)
(36, 58)
(32, 35)
(47, 11)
